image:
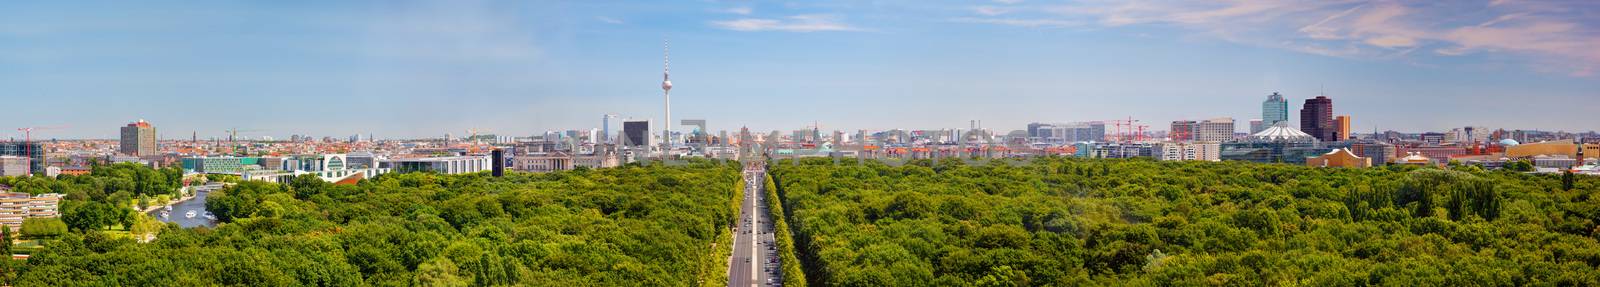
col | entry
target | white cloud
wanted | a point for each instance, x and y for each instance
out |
(990, 10)
(1392, 42)
(739, 10)
(1020, 22)
(608, 20)
(1546, 33)
(1008, 1)
(796, 23)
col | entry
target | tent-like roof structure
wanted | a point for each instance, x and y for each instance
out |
(1281, 132)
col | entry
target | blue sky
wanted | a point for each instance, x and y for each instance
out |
(426, 68)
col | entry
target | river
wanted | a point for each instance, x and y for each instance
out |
(197, 204)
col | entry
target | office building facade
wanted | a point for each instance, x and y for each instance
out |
(1316, 118)
(1341, 126)
(138, 139)
(636, 133)
(1275, 109)
(34, 151)
(442, 165)
(1214, 130)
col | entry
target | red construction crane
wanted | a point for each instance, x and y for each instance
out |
(27, 138)
(1123, 129)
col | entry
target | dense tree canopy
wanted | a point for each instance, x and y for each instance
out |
(610, 227)
(1068, 222)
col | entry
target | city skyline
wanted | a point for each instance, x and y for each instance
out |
(424, 69)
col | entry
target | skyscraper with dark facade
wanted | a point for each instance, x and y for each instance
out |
(1316, 118)
(636, 133)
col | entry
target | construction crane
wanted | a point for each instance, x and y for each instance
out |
(473, 135)
(27, 138)
(1122, 129)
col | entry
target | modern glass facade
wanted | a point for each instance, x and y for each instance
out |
(1275, 109)
(33, 150)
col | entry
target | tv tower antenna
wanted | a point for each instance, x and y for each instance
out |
(666, 94)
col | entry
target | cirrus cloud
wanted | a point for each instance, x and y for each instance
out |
(1545, 33)
(796, 23)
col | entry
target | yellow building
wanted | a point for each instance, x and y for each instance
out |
(1339, 158)
(1566, 148)
(1342, 124)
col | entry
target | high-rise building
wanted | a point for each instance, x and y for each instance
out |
(1316, 118)
(1182, 131)
(1256, 126)
(139, 139)
(636, 133)
(1275, 109)
(1214, 130)
(1342, 124)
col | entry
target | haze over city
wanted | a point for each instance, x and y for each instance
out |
(426, 68)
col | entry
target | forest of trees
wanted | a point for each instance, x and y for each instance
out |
(1042, 222)
(1071, 222)
(625, 226)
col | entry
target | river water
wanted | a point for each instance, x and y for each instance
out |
(197, 204)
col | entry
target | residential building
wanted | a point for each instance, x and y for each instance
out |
(138, 139)
(1316, 118)
(1214, 130)
(16, 207)
(1188, 151)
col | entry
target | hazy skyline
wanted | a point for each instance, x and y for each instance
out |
(426, 68)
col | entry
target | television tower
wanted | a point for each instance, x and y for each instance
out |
(666, 94)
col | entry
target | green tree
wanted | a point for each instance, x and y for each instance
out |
(43, 227)
(307, 185)
(1567, 179)
(440, 272)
